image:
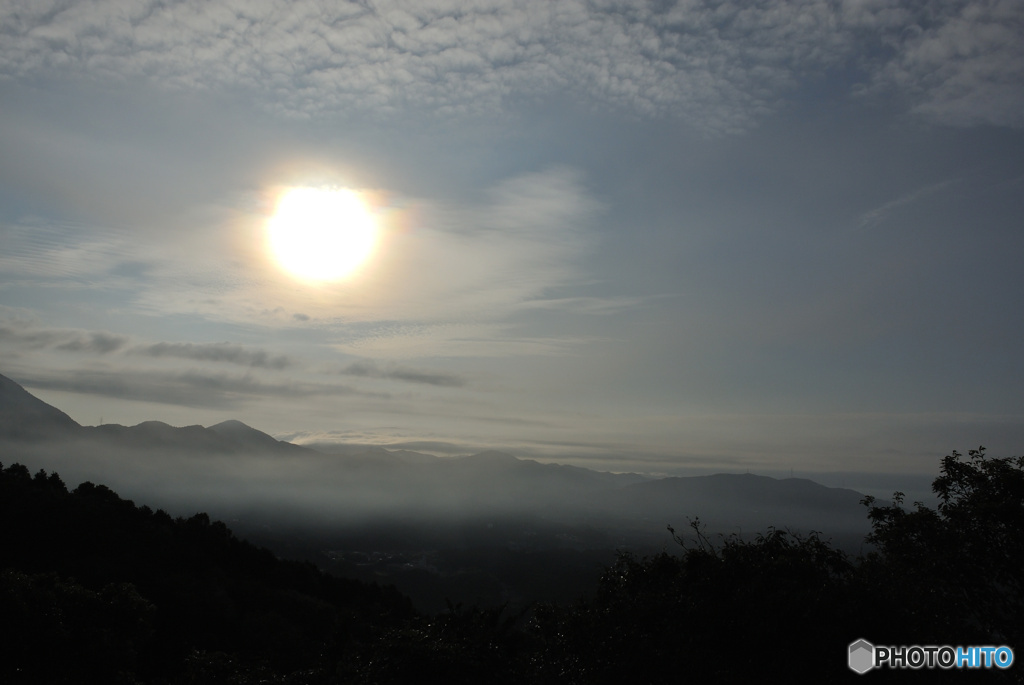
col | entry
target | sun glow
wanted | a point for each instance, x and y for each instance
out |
(321, 234)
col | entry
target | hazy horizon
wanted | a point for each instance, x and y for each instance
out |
(667, 238)
(231, 468)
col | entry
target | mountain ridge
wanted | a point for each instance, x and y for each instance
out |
(25, 416)
(252, 471)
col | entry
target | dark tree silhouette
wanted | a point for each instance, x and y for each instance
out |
(95, 589)
(956, 571)
(724, 614)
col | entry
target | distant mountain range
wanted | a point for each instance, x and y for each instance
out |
(24, 417)
(234, 463)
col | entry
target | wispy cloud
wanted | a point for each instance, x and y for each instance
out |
(95, 342)
(474, 263)
(879, 214)
(187, 388)
(369, 369)
(484, 339)
(11, 335)
(586, 305)
(43, 253)
(26, 335)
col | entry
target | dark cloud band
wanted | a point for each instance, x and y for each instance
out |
(368, 369)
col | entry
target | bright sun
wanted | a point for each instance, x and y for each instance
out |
(321, 234)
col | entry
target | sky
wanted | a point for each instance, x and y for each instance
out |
(668, 237)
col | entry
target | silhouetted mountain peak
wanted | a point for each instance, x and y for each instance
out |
(231, 425)
(250, 438)
(23, 415)
(154, 426)
(235, 429)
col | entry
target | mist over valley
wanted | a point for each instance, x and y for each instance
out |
(480, 527)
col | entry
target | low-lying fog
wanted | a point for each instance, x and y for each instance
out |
(284, 486)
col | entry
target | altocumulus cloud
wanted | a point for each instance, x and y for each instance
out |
(720, 66)
(961, 63)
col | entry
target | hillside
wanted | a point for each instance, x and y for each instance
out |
(24, 416)
(93, 589)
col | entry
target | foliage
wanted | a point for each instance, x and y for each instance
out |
(100, 632)
(734, 612)
(457, 646)
(955, 571)
(723, 606)
(91, 576)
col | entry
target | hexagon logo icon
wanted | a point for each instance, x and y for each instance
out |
(862, 656)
